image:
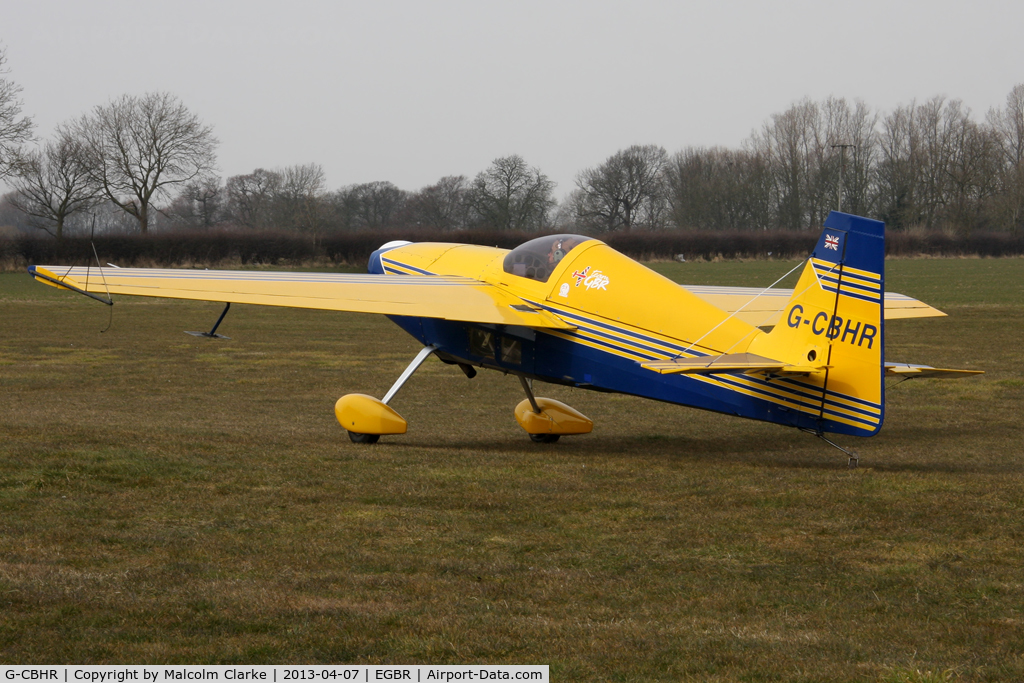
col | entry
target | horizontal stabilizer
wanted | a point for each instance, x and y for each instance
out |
(729, 362)
(911, 371)
(763, 308)
(900, 306)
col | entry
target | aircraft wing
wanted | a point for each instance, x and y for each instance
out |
(766, 309)
(429, 296)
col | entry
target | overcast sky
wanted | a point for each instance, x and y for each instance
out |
(412, 91)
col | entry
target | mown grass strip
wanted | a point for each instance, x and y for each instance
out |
(170, 499)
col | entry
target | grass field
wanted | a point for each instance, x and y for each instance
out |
(169, 499)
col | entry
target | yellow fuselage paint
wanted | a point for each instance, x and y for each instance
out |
(596, 281)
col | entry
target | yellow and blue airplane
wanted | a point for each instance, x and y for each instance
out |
(569, 309)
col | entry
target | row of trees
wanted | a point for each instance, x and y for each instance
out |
(923, 165)
(127, 155)
(928, 165)
(508, 195)
(144, 162)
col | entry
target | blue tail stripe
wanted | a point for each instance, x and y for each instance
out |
(813, 405)
(847, 284)
(875, 299)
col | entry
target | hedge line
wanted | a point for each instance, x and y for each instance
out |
(225, 248)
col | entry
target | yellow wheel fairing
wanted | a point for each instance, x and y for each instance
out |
(364, 414)
(555, 418)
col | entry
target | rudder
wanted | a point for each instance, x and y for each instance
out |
(835, 321)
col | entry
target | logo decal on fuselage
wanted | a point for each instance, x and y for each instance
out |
(591, 280)
(596, 280)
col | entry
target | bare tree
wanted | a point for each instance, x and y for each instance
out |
(342, 208)
(14, 131)
(1008, 127)
(856, 129)
(139, 147)
(106, 218)
(199, 205)
(804, 148)
(298, 202)
(899, 170)
(626, 191)
(443, 205)
(208, 198)
(938, 168)
(369, 206)
(718, 189)
(12, 219)
(973, 170)
(378, 204)
(52, 184)
(251, 198)
(510, 195)
(783, 144)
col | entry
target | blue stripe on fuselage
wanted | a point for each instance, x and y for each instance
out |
(559, 360)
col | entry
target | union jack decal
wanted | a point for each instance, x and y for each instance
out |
(580, 275)
(832, 242)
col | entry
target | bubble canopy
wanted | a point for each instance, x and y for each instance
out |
(537, 259)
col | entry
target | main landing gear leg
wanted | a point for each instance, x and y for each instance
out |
(854, 458)
(404, 377)
(528, 388)
(367, 418)
(546, 419)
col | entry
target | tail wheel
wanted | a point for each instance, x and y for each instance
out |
(544, 438)
(363, 438)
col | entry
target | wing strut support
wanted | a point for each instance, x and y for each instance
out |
(416, 362)
(213, 332)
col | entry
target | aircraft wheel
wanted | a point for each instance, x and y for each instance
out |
(544, 438)
(363, 438)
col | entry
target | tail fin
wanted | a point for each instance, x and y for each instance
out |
(834, 321)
